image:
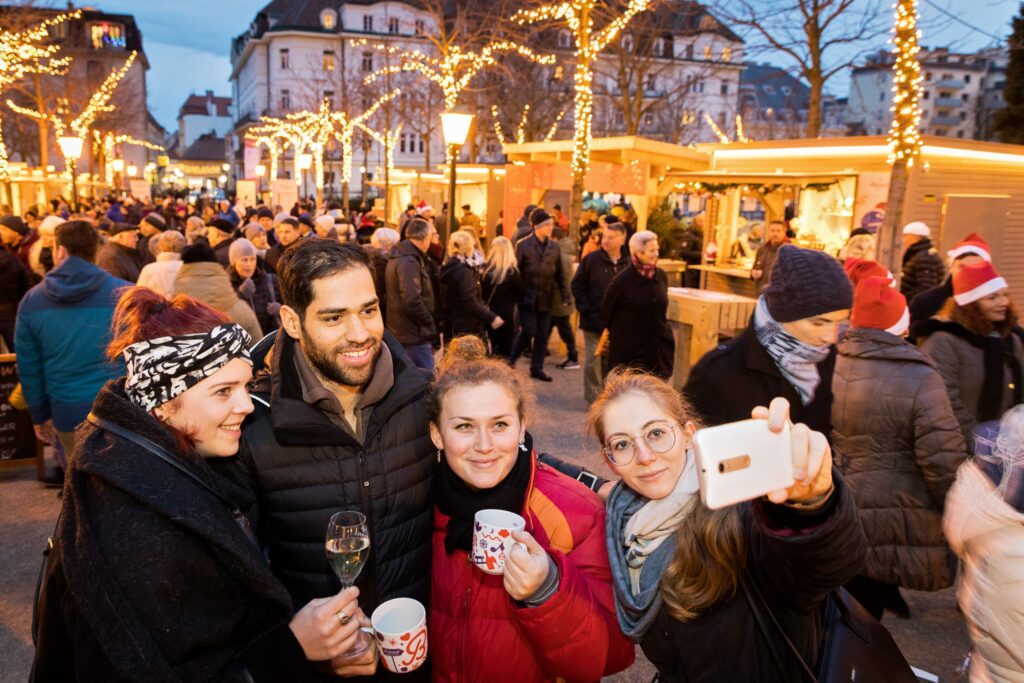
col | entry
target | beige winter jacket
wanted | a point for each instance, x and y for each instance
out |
(209, 283)
(988, 535)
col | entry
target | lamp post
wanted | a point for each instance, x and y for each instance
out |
(71, 148)
(455, 128)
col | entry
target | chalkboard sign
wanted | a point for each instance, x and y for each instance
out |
(17, 438)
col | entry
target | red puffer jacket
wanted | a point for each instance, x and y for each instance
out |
(478, 633)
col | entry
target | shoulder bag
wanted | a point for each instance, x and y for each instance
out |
(856, 649)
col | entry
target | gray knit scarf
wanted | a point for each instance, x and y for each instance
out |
(797, 361)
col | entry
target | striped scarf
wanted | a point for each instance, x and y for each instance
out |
(797, 361)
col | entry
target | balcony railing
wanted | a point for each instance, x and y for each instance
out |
(951, 84)
(948, 102)
(946, 121)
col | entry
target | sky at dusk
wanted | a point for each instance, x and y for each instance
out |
(187, 42)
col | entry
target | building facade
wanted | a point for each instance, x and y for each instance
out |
(203, 114)
(959, 93)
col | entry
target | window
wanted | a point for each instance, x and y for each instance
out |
(367, 62)
(627, 42)
(707, 52)
(368, 23)
(401, 142)
(963, 116)
(559, 73)
(959, 133)
(285, 59)
(286, 100)
(926, 94)
(725, 88)
(421, 27)
(786, 90)
(652, 83)
(393, 25)
(965, 97)
(104, 35)
(619, 121)
(927, 75)
(328, 60)
(967, 78)
(328, 19)
(648, 119)
(727, 54)
(329, 96)
(881, 96)
(769, 89)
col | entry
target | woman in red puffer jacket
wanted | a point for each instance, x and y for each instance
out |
(551, 613)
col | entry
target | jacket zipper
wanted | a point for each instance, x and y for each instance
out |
(464, 626)
(364, 485)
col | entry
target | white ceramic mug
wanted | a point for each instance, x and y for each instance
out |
(492, 538)
(400, 628)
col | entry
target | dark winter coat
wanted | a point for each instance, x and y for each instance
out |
(922, 269)
(263, 297)
(795, 559)
(734, 378)
(926, 305)
(898, 445)
(540, 264)
(639, 336)
(379, 261)
(222, 250)
(14, 283)
(411, 299)
(305, 468)
(962, 366)
(505, 297)
(464, 309)
(764, 261)
(560, 305)
(152, 578)
(121, 262)
(589, 284)
(62, 334)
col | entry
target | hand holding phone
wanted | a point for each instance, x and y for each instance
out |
(812, 457)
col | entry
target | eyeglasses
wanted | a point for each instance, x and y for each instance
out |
(659, 438)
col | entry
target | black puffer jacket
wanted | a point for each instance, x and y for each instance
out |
(922, 269)
(411, 300)
(589, 284)
(897, 442)
(795, 559)
(734, 378)
(464, 309)
(540, 264)
(14, 283)
(151, 578)
(925, 306)
(305, 468)
(503, 298)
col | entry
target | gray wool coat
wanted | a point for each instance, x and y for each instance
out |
(898, 445)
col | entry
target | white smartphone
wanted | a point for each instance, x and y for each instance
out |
(742, 461)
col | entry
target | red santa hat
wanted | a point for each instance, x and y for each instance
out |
(972, 244)
(976, 281)
(877, 305)
(860, 269)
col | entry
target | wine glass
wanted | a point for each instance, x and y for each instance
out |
(348, 546)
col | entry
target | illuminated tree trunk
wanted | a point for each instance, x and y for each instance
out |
(583, 79)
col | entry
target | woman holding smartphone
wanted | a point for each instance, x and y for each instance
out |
(155, 574)
(550, 614)
(678, 568)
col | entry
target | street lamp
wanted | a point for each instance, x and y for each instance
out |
(455, 128)
(133, 170)
(71, 148)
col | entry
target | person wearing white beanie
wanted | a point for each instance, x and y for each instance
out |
(161, 273)
(40, 256)
(256, 287)
(922, 264)
(325, 227)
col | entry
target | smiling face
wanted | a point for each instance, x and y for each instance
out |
(994, 306)
(649, 254)
(479, 429)
(821, 330)
(632, 415)
(211, 412)
(342, 330)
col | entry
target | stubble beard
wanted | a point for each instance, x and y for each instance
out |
(323, 361)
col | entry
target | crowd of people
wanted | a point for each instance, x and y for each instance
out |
(221, 383)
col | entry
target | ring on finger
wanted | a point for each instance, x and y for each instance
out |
(342, 617)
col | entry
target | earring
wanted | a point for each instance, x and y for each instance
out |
(522, 446)
(439, 456)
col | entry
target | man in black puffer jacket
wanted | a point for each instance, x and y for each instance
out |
(411, 304)
(922, 265)
(340, 424)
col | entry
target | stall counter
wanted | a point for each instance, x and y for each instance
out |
(727, 279)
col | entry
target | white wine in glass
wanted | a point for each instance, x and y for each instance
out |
(348, 547)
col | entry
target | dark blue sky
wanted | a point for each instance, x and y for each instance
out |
(187, 41)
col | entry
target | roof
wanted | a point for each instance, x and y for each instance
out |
(684, 17)
(79, 38)
(196, 105)
(207, 147)
(774, 87)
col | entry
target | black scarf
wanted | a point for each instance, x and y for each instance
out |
(461, 503)
(999, 352)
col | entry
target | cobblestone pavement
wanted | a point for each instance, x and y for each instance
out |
(934, 639)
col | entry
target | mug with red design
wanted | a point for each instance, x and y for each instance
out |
(400, 628)
(492, 538)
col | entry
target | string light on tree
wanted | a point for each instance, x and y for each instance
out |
(453, 71)
(722, 137)
(578, 16)
(904, 133)
(521, 129)
(740, 136)
(388, 140)
(23, 53)
(99, 102)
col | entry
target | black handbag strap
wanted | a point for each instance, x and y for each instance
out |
(760, 609)
(142, 442)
